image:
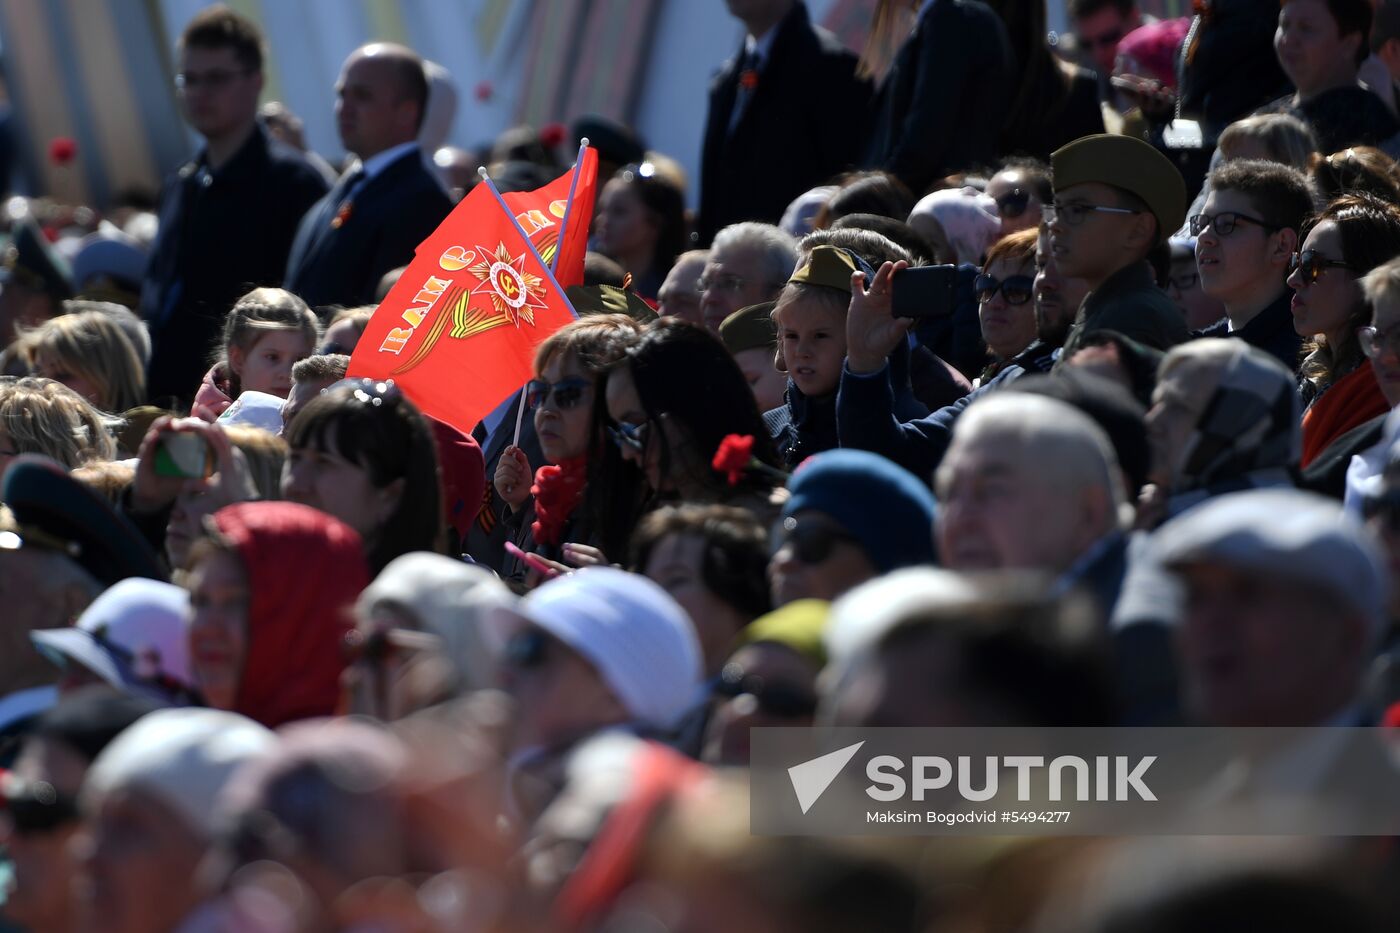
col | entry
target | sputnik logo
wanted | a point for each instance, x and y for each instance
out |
(811, 778)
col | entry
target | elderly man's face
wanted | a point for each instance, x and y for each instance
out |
(734, 278)
(999, 511)
(679, 295)
(1260, 649)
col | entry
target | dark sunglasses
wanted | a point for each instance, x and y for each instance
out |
(776, 699)
(1016, 289)
(1312, 265)
(1013, 205)
(34, 807)
(813, 541)
(528, 650)
(629, 436)
(566, 393)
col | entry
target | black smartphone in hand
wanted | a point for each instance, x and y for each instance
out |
(924, 291)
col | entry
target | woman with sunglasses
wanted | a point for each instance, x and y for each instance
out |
(671, 401)
(1004, 307)
(550, 508)
(1353, 235)
(364, 454)
(1019, 188)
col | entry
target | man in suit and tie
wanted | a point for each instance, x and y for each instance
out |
(378, 213)
(773, 129)
(227, 217)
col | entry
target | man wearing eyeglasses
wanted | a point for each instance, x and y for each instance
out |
(1116, 200)
(227, 217)
(748, 264)
(1245, 235)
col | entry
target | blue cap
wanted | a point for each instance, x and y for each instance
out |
(883, 505)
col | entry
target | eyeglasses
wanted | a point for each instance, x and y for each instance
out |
(528, 650)
(1312, 265)
(629, 436)
(1185, 281)
(1016, 289)
(813, 541)
(213, 80)
(1013, 205)
(1376, 342)
(1074, 213)
(34, 807)
(566, 393)
(776, 699)
(1224, 223)
(723, 282)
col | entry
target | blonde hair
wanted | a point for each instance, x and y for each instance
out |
(93, 345)
(256, 314)
(108, 478)
(41, 416)
(264, 452)
(1286, 138)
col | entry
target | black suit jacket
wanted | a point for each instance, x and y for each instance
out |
(943, 104)
(390, 215)
(794, 133)
(222, 233)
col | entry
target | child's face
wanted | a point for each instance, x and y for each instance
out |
(267, 366)
(812, 337)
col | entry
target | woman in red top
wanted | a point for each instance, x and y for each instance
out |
(272, 590)
(1353, 234)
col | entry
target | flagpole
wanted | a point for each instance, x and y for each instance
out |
(519, 417)
(569, 204)
(491, 185)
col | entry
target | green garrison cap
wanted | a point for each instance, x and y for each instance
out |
(609, 299)
(829, 267)
(1130, 164)
(750, 328)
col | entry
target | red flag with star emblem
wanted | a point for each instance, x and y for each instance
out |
(458, 332)
(556, 217)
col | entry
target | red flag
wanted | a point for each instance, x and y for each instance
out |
(459, 330)
(544, 212)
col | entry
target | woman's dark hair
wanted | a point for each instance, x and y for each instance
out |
(1370, 233)
(1358, 168)
(896, 231)
(1352, 16)
(374, 425)
(666, 203)
(878, 193)
(734, 562)
(682, 370)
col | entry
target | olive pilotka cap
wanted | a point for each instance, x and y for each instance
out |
(831, 267)
(750, 328)
(1131, 165)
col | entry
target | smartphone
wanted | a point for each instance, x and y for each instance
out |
(183, 454)
(924, 291)
(533, 561)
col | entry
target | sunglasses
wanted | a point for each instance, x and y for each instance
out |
(33, 807)
(1375, 342)
(1016, 289)
(812, 542)
(566, 393)
(775, 699)
(629, 436)
(1013, 205)
(1312, 265)
(528, 650)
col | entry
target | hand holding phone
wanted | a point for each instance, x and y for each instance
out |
(924, 291)
(184, 454)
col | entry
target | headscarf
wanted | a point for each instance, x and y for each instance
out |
(968, 217)
(304, 571)
(451, 600)
(1249, 431)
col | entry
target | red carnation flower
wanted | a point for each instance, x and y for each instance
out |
(62, 150)
(557, 491)
(484, 91)
(734, 456)
(552, 134)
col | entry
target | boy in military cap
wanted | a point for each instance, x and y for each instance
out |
(751, 337)
(1116, 200)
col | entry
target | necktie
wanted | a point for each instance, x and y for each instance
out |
(748, 81)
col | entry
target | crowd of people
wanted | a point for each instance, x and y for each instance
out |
(992, 383)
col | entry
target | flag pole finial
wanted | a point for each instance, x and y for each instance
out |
(583, 141)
